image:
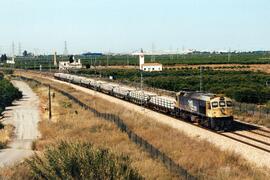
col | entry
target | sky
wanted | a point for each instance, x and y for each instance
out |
(42, 26)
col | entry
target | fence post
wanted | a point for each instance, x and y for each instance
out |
(246, 110)
(260, 112)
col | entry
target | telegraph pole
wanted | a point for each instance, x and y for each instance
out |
(50, 103)
(201, 80)
(229, 55)
(142, 88)
(127, 60)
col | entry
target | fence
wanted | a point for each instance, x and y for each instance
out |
(252, 110)
(153, 151)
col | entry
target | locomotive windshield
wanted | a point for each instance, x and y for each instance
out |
(215, 104)
(222, 104)
(229, 104)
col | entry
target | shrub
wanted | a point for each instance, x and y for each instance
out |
(80, 161)
(8, 93)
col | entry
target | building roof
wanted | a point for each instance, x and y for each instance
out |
(152, 64)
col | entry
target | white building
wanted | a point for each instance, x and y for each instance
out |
(148, 66)
(66, 65)
(12, 61)
(151, 67)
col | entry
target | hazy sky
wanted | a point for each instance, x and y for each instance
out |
(128, 25)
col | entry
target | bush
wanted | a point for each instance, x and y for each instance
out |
(80, 161)
(8, 93)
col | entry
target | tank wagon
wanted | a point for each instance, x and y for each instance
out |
(209, 110)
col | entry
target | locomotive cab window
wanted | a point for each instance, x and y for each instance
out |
(229, 104)
(214, 104)
(222, 104)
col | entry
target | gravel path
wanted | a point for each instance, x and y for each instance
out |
(24, 115)
(255, 156)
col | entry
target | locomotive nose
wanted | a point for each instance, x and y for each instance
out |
(222, 110)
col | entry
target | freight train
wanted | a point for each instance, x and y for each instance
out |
(206, 109)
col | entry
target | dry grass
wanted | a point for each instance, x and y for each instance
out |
(73, 123)
(5, 135)
(262, 120)
(199, 157)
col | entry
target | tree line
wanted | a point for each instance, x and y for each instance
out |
(243, 86)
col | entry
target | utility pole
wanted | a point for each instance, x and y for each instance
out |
(107, 60)
(127, 60)
(50, 104)
(13, 49)
(142, 88)
(201, 80)
(229, 55)
(19, 49)
(65, 49)
(153, 58)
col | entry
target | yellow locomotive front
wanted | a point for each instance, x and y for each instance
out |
(220, 107)
(220, 112)
(209, 110)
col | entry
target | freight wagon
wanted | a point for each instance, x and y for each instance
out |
(122, 92)
(107, 88)
(140, 97)
(162, 103)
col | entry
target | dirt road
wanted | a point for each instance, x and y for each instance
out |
(24, 115)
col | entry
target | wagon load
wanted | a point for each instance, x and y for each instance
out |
(85, 82)
(122, 92)
(94, 84)
(107, 87)
(57, 75)
(76, 79)
(63, 76)
(140, 96)
(163, 102)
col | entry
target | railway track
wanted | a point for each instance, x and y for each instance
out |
(248, 134)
